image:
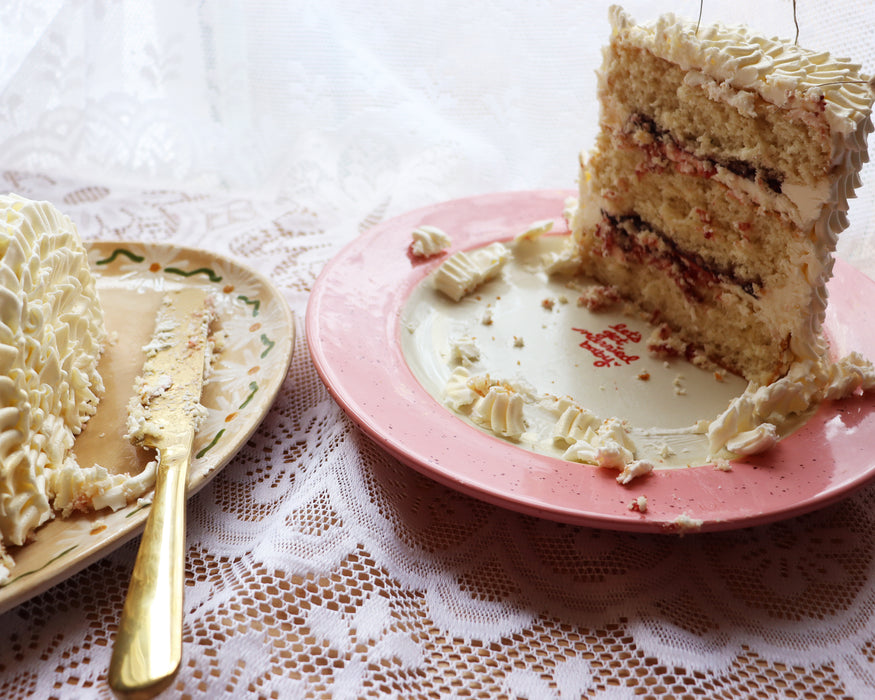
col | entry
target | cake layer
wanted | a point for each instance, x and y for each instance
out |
(701, 213)
(723, 315)
(781, 72)
(735, 129)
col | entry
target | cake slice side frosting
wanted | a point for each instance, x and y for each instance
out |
(51, 338)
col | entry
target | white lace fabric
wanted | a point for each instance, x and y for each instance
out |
(319, 566)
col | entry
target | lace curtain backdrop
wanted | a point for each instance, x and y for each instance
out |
(319, 566)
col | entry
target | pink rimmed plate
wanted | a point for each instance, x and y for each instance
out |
(374, 296)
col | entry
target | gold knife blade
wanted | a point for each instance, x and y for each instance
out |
(148, 646)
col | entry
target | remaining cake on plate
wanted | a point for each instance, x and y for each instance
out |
(51, 338)
(712, 201)
(718, 184)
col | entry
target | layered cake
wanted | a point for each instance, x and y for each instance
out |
(717, 186)
(51, 338)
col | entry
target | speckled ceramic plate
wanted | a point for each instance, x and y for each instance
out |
(246, 378)
(378, 333)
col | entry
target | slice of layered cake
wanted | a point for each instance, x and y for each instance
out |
(718, 184)
(51, 338)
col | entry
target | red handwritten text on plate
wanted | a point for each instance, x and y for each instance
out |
(608, 347)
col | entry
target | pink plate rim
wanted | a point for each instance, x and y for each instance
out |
(352, 329)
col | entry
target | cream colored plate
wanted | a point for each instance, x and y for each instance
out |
(246, 378)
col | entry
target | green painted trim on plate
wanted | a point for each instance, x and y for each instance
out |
(212, 444)
(121, 251)
(269, 343)
(254, 303)
(190, 273)
(34, 571)
(253, 387)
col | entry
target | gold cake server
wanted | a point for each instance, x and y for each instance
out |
(148, 645)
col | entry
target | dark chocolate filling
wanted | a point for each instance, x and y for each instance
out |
(769, 177)
(690, 271)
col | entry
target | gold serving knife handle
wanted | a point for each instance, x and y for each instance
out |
(148, 645)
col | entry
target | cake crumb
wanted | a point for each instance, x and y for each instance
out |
(518, 342)
(487, 319)
(639, 504)
(598, 297)
(699, 359)
(665, 451)
(684, 523)
(664, 343)
(644, 376)
(548, 303)
(723, 465)
(678, 384)
(97, 526)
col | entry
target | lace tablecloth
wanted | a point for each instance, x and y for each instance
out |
(318, 566)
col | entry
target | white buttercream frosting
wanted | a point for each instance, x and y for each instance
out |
(573, 424)
(534, 231)
(501, 411)
(608, 445)
(463, 272)
(429, 241)
(752, 421)
(458, 393)
(51, 337)
(633, 470)
(464, 351)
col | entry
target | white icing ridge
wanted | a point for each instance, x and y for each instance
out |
(758, 439)
(458, 392)
(429, 241)
(499, 406)
(501, 411)
(573, 424)
(463, 272)
(606, 446)
(51, 337)
(91, 488)
(633, 470)
(752, 421)
(534, 231)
